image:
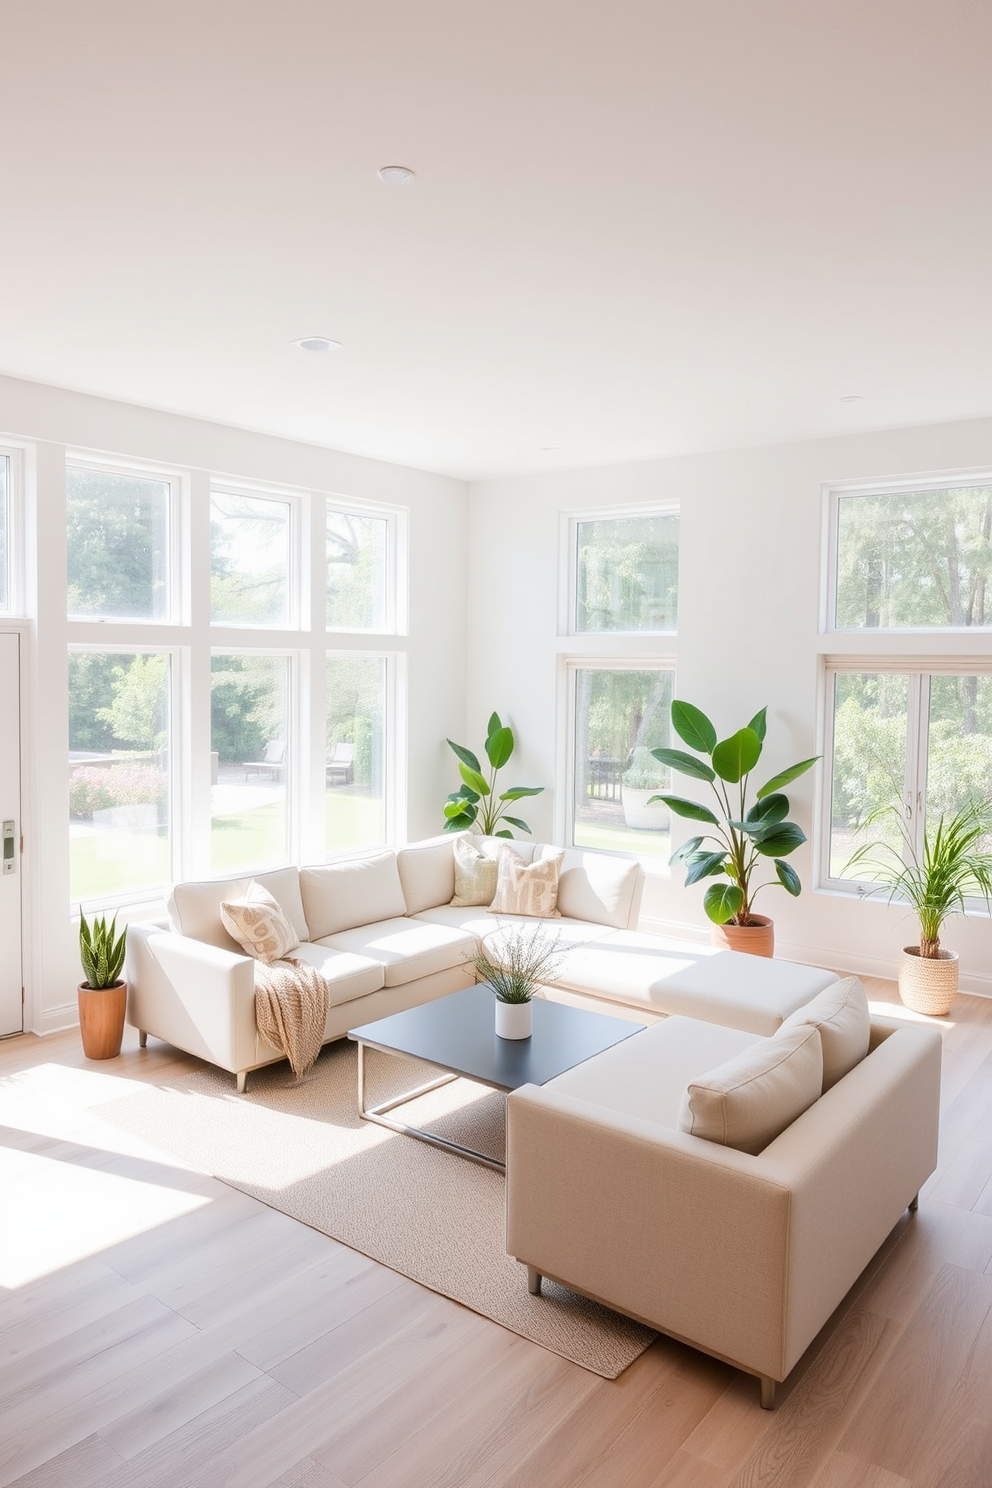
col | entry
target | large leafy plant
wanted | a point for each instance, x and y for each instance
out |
(476, 803)
(101, 951)
(954, 864)
(744, 836)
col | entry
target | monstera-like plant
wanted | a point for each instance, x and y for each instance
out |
(743, 837)
(475, 804)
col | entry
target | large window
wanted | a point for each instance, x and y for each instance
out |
(249, 736)
(357, 548)
(119, 529)
(619, 714)
(913, 559)
(626, 572)
(355, 767)
(119, 773)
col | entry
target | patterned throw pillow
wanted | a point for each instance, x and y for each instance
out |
(527, 888)
(259, 925)
(476, 869)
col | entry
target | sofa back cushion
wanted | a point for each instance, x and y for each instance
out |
(427, 874)
(194, 908)
(841, 1014)
(339, 896)
(597, 887)
(749, 1101)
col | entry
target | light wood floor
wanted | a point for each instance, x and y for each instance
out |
(158, 1328)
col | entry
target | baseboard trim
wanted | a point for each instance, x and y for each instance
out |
(57, 1019)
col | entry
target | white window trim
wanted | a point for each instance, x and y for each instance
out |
(177, 503)
(833, 494)
(14, 608)
(569, 562)
(570, 665)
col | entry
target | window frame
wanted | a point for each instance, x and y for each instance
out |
(569, 563)
(16, 587)
(570, 667)
(177, 580)
(834, 493)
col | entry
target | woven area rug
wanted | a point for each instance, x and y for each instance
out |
(431, 1215)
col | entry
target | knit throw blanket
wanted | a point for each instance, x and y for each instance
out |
(291, 1001)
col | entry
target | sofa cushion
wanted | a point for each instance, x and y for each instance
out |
(194, 908)
(478, 922)
(598, 887)
(748, 1101)
(527, 888)
(842, 1016)
(347, 976)
(427, 873)
(407, 948)
(476, 870)
(258, 924)
(646, 1076)
(338, 896)
(677, 976)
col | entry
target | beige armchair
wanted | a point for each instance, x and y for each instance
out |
(744, 1257)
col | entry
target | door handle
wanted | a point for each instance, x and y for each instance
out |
(9, 847)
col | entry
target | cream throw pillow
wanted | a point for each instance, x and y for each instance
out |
(259, 925)
(841, 1014)
(749, 1101)
(476, 870)
(527, 888)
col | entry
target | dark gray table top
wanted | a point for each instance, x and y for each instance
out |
(457, 1033)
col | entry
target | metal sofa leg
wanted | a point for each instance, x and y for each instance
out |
(142, 1039)
(914, 1203)
(242, 1079)
(767, 1392)
(533, 1281)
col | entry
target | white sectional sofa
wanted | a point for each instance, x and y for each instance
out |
(384, 933)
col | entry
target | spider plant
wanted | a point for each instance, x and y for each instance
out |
(937, 883)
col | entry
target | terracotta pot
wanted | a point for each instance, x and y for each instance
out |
(101, 1019)
(514, 1020)
(928, 984)
(757, 939)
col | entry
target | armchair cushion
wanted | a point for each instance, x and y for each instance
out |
(748, 1101)
(841, 1014)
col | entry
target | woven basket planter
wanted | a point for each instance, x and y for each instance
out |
(928, 985)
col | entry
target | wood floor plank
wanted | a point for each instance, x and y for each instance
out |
(841, 1470)
(685, 1470)
(79, 1466)
(892, 1426)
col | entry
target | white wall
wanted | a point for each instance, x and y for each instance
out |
(748, 635)
(46, 420)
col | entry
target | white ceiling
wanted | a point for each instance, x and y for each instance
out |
(639, 227)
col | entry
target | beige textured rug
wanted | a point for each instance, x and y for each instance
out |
(428, 1214)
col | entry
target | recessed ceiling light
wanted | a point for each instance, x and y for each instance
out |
(396, 175)
(852, 398)
(549, 449)
(317, 343)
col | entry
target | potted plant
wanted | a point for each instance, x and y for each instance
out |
(475, 804)
(744, 836)
(641, 781)
(937, 883)
(102, 996)
(514, 960)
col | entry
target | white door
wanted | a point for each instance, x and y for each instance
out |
(11, 1009)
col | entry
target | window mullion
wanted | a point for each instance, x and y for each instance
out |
(917, 723)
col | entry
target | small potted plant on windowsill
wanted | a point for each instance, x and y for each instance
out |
(642, 780)
(937, 883)
(514, 961)
(102, 997)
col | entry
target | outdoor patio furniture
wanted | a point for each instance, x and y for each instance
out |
(341, 765)
(272, 760)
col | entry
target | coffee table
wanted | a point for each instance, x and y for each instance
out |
(457, 1034)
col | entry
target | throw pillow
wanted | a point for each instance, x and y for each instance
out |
(749, 1101)
(476, 870)
(527, 888)
(259, 925)
(841, 1014)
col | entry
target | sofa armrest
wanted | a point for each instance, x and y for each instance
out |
(193, 995)
(686, 1235)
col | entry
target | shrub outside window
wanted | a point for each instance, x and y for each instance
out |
(119, 542)
(119, 773)
(626, 573)
(619, 714)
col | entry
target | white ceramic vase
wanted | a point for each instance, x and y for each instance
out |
(514, 1020)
